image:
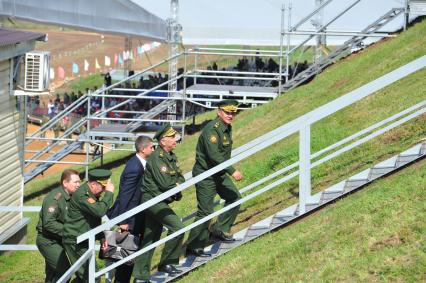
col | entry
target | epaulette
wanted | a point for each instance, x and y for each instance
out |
(161, 153)
(58, 195)
(217, 125)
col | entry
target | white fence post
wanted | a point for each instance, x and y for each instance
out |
(92, 259)
(304, 167)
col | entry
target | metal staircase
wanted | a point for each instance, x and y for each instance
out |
(343, 50)
(153, 112)
(67, 149)
(292, 213)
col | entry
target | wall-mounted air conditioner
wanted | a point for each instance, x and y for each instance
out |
(37, 66)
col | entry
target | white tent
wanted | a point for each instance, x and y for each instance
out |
(257, 22)
(111, 16)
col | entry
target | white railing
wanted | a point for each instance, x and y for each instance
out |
(300, 125)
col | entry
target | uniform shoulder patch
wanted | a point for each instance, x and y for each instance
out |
(51, 209)
(58, 195)
(213, 139)
(91, 200)
(163, 168)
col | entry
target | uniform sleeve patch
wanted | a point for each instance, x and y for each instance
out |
(51, 209)
(58, 195)
(163, 169)
(213, 139)
(91, 200)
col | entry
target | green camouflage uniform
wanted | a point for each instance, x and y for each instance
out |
(214, 147)
(50, 231)
(84, 213)
(162, 173)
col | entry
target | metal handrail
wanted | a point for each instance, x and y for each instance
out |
(324, 26)
(332, 147)
(60, 115)
(141, 72)
(69, 131)
(281, 171)
(236, 72)
(310, 15)
(255, 194)
(83, 98)
(232, 49)
(102, 112)
(274, 136)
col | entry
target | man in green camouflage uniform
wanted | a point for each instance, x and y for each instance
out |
(162, 173)
(214, 147)
(85, 212)
(51, 223)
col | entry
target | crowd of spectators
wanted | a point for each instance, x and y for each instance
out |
(134, 108)
(253, 64)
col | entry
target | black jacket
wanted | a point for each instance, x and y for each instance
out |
(129, 194)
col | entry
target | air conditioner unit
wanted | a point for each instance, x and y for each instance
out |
(37, 67)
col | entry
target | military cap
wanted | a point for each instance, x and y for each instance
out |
(229, 105)
(165, 130)
(99, 175)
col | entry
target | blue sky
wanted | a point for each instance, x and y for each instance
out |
(236, 18)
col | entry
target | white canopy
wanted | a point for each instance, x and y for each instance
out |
(257, 22)
(109, 16)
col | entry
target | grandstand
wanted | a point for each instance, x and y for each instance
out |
(322, 115)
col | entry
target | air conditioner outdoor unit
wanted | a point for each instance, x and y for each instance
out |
(37, 67)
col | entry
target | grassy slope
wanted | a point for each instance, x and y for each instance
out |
(334, 82)
(377, 234)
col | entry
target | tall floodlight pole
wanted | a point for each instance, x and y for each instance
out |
(174, 38)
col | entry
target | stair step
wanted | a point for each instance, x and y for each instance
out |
(415, 150)
(291, 213)
(337, 188)
(389, 163)
(265, 223)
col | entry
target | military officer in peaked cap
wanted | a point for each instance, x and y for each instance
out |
(85, 212)
(162, 173)
(51, 223)
(214, 147)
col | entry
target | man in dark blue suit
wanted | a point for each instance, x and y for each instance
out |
(129, 196)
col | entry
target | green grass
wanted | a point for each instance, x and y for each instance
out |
(375, 235)
(346, 75)
(82, 83)
(22, 24)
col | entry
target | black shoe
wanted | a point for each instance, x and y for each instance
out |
(197, 252)
(170, 269)
(141, 281)
(219, 235)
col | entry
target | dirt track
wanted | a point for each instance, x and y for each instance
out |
(67, 47)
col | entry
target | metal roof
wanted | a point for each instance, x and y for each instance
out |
(9, 36)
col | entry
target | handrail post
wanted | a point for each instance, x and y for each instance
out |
(304, 167)
(88, 136)
(92, 259)
(183, 117)
(281, 49)
(195, 67)
(103, 106)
